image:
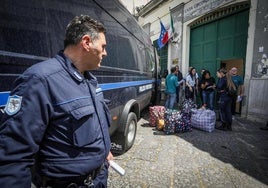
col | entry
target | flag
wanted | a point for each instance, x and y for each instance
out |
(163, 38)
(171, 28)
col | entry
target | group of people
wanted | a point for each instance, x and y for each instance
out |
(228, 90)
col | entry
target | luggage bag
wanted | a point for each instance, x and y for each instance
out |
(203, 119)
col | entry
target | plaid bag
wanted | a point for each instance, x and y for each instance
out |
(203, 119)
(156, 113)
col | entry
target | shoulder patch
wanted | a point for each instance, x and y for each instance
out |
(13, 104)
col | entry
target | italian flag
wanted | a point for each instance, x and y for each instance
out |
(171, 28)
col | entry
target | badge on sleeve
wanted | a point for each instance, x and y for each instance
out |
(13, 104)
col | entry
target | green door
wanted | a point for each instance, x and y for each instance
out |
(223, 39)
(203, 47)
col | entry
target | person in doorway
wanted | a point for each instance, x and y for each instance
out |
(208, 86)
(180, 77)
(191, 84)
(59, 123)
(225, 84)
(239, 84)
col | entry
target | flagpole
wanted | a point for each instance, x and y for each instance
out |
(160, 52)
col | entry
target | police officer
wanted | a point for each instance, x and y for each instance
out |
(56, 118)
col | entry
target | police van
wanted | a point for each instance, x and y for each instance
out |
(33, 31)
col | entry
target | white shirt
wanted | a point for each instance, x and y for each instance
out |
(191, 81)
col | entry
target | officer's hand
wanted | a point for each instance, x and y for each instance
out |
(110, 156)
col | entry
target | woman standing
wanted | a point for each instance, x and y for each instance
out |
(191, 80)
(207, 87)
(224, 85)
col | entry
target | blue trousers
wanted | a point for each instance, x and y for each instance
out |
(208, 99)
(170, 100)
(225, 104)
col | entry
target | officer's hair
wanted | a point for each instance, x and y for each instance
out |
(80, 26)
(222, 70)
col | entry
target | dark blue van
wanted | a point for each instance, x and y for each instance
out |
(33, 30)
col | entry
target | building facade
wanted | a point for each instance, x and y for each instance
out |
(214, 34)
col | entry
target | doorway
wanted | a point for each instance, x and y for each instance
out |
(238, 63)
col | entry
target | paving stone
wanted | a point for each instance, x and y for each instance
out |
(197, 159)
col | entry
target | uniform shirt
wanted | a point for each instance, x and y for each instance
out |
(222, 84)
(238, 81)
(57, 114)
(221, 87)
(171, 83)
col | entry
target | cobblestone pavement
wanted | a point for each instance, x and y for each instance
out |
(195, 159)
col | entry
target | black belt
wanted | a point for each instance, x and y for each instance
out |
(85, 181)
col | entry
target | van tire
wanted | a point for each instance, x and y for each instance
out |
(130, 131)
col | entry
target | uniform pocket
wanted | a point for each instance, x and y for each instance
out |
(84, 125)
(107, 113)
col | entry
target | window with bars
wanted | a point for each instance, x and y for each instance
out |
(163, 56)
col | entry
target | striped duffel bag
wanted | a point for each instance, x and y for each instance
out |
(203, 119)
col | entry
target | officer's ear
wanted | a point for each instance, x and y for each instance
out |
(87, 42)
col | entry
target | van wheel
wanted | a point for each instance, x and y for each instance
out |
(131, 129)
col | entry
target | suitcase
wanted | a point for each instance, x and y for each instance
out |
(203, 119)
(156, 113)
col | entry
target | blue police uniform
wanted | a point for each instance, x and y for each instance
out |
(58, 117)
(224, 101)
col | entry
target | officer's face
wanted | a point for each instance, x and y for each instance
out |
(98, 51)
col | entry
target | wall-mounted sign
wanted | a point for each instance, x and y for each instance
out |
(198, 7)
